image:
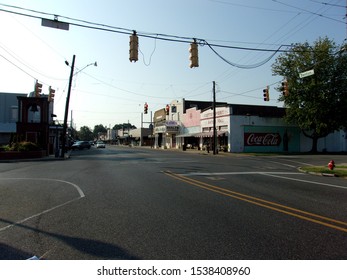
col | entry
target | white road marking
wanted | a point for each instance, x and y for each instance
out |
(272, 174)
(304, 181)
(280, 163)
(38, 214)
(298, 162)
(238, 173)
(80, 193)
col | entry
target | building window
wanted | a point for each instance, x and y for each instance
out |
(14, 114)
(34, 114)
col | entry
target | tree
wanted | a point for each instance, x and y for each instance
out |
(85, 134)
(125, 126)
(99, 129)
(316, 103)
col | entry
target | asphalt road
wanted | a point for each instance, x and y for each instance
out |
(134, 203)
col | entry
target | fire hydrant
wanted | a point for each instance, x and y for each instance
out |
(331, 165)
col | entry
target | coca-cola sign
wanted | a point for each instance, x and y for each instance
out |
(262, 139)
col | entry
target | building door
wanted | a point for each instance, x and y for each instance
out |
(173, 140)
(160, 139)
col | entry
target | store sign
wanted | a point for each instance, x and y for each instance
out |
(262, 139)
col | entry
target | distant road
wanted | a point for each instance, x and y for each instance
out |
(140, 203)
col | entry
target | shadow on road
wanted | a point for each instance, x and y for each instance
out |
(96, 248)
(10, 253)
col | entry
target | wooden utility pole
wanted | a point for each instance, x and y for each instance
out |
(67, 109)
(214, 142)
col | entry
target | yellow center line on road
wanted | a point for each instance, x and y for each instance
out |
(304, 215)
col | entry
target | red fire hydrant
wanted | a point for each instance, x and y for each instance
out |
(331, 165)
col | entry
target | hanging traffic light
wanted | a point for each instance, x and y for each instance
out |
(266, 94)
(51, 94)
(38, 89)
(145, 108)
(134, 47)
(167, 109)
(194, 55)
(284, 88)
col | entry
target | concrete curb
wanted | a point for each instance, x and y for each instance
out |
(317, 173)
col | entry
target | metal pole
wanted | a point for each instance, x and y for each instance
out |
(141, 136)
(67, 108)
(214, 119)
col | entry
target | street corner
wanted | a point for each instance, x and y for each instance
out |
(338, 171)
(23, 199)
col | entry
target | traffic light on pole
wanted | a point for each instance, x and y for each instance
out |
(284, 88)
(167, 109)
(51, 94)
(266, 94)
(145, 108)
(194, 55)
(38, 89)
(134, 47)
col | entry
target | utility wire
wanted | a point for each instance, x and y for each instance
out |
(127, 31)
(328, 4)
(163, 37)
(244, 66)
(301, 9)
(21, 69)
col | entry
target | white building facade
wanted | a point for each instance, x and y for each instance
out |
(239, 128)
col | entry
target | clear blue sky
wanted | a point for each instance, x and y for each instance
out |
(115, 91)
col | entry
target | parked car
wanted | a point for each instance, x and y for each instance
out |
(100, 144)
(80, 145)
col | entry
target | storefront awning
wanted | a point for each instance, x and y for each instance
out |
(201, 134)
(209, 134)
(186, 135)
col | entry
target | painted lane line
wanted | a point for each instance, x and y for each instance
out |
(280, 163)
(298, 162)
(303, 181)
(38, 214)
(80, 193)
(303, 215)
(238, 173)
(273, 174)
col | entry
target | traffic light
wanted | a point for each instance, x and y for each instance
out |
(194, 55)
(134, 48)
(38, 89)
(266, 94)
(284, 88)
(167, 109)
(51, 94)
(145, 108)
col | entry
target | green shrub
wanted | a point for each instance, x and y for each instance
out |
(21, 147)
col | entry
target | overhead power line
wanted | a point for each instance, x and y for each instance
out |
(21, 69)
(155, 36)
(307, 11)
(127, 31)
(329, 4)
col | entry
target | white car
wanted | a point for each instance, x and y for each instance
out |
(100, 144)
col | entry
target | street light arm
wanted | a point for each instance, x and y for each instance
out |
(94, 63)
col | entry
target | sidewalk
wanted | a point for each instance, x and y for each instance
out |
(195, 151)
(46, 158)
